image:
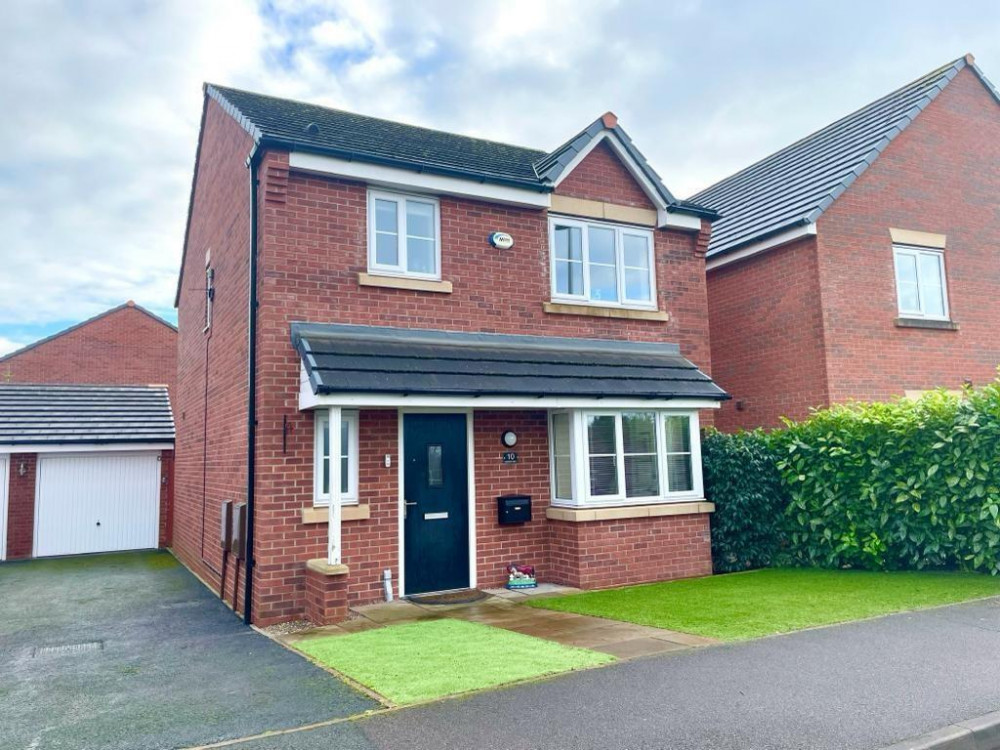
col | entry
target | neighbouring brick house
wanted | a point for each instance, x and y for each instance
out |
(86, 437)
(863, 261)
(393, 326)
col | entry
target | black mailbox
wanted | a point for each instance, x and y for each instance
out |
(514, 508)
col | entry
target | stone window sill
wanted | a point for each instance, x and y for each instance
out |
(599, 311)
(940, 325)
(401, 282)
(348, 513)
(583, 515)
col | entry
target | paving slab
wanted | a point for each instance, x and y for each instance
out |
(638, 647)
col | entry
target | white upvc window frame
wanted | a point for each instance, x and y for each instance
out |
(916, 252)
(620, 231)
(321, 422)
(400, 269)
(580, 460)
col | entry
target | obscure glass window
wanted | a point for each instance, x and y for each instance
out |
(435, 467)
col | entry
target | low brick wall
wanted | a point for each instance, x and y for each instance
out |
(325, 598)
(600, 554)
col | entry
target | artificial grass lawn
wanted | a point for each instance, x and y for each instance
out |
(739, 606)
(424, 660)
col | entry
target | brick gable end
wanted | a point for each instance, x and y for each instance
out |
(124, 347)
(601, 176)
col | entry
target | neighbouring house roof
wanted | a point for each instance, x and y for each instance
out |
(88, 321)
(372, 359)
(91, 414)
(793, 187)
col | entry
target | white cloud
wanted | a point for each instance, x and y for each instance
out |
(103, 100)
(7, 346)
(340, 35)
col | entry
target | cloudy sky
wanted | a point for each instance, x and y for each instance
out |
(101, 101)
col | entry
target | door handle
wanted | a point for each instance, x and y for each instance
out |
(406, 504)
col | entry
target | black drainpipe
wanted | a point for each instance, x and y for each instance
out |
(252, 162)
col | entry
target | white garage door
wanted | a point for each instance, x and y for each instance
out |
(99, 502)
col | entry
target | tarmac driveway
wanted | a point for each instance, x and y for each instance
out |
(131, 651)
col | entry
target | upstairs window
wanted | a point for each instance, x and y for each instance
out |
(605, 264)
(403, 235)
(920, 283)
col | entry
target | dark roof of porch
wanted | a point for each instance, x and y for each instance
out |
(376, 359)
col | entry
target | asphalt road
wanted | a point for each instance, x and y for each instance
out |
(865, 685)
(131, 651)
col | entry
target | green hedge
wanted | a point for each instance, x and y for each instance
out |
(911, 484)
(742, 478)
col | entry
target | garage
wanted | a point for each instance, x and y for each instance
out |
(96, 503)
(84, 469)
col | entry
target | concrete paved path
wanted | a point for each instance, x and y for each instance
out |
(621, 639)
(861, 686)
(131, 651)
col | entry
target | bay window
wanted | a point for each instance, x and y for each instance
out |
(605, 264)
(624, 457)
(348, 459)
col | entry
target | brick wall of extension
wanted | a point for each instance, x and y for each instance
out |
(814, 323)
(22, 474)
(312, 244)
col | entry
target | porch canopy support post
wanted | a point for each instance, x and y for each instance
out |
(335, 517)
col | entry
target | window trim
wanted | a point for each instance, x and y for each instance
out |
(321, 418)
(400, 270)
(580, 460)
(916, 251)
(620, 231)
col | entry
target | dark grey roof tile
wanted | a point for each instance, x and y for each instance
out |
(795, 185)
(66, 414)
(368, 359)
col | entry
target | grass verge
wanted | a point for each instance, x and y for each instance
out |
(740, 606)
(425, 660)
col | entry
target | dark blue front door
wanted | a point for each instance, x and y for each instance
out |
(436, 493)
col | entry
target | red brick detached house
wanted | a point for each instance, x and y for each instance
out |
(435, 322)
(87, 437)
(863, 261)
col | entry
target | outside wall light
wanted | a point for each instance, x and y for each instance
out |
(22, 469)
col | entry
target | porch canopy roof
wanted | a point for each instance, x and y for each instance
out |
(376, 365)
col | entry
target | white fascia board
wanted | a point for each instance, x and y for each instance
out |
(403, 179)
(685, 222)
(86, 448)
(782, 238)
(308, 400)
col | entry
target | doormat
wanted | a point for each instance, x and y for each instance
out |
(465, 596)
